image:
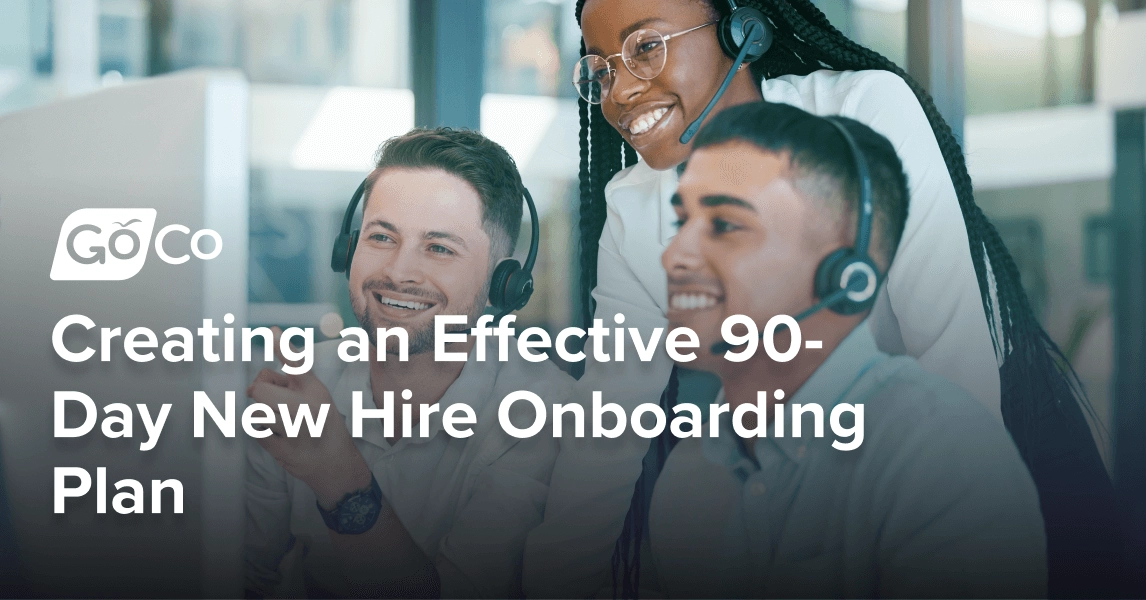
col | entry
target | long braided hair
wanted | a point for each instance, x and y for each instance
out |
(1038, 385)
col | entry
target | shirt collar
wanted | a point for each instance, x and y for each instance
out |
(834, 378)
(473, 386)
(829, 385)
(636, 174)
(726, 450)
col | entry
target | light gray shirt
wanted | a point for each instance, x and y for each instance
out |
(935, 502)
(467, 502)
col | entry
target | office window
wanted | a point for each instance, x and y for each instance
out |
(528, 45)
(530, 108)
(26, 58)
(1040, 155)
(330, 83)
(877, 24)
(123, 28)
(1026, 54)
(39, 35)
(312, 42)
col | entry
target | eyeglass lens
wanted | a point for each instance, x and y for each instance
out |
(643, 53)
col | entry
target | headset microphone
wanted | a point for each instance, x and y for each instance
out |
(722, 347)
(691, 131)
(745, 36)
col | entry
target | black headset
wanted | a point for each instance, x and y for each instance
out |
(744, 35)
(847, 279)
(736, 28)
(510, 286)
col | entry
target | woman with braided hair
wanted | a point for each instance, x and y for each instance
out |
(952, 299)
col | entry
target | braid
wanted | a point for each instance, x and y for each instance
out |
(630, 155)
(600, 162)
(603, 153)
(627, 551)
(585, 218)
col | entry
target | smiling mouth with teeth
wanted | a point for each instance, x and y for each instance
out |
(645, 122)
(693, 301)
(401, 303)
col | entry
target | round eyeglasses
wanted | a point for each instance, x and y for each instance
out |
(644, 54)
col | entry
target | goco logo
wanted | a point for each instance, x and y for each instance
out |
(110, 244)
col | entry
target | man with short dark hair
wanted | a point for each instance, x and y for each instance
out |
(926, 497)
(431, 513)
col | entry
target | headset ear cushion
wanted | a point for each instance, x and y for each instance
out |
(519, 289)
(829, 280)
(731, 33)
(827, 274)
(350, 251)
(499, 283)
(343, 252)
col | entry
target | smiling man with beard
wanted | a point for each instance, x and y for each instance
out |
(430, 514)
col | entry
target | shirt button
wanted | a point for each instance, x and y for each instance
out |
(800, 452)
(757, 488)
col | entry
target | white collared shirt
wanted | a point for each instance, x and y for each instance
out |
(467, 502)
(930, 308)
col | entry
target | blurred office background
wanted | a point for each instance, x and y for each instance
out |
(1019, 80)
(331, 79)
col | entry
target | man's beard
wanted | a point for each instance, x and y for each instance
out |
(421, 339)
